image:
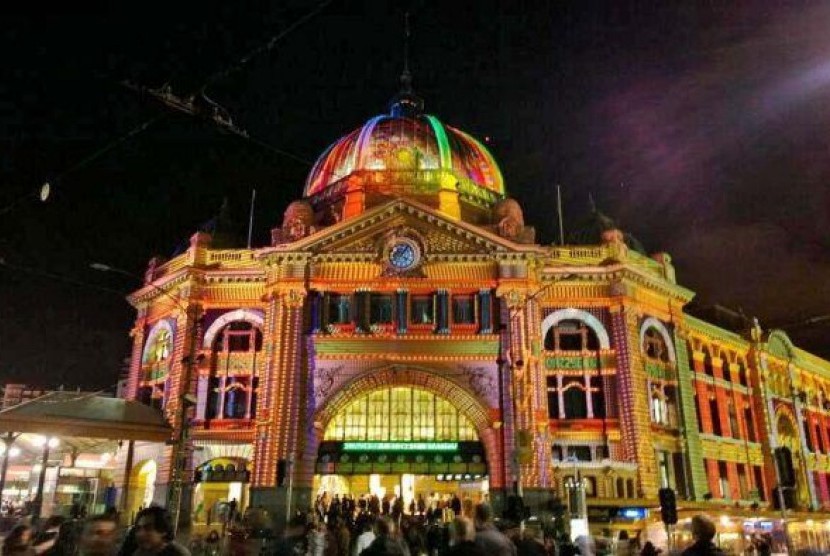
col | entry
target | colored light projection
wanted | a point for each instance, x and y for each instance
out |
(400, 446)
(402, 143)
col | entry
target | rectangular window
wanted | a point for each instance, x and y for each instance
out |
(750, 424)
(421, 310)
(679, 475)
(553, 398)
(463, 309)
(698, 413)
(723, 480)
(743, 483)
(581, 453)
(602, 453)
(597, 397)
(576, 406)
(808, 439)
(759, 482)
(735, 430)
(819, 439)
(663, 469)
(339, 309)
(557, 452)
(380, 309)
(715, 414)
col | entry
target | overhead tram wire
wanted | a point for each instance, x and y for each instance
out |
(58, 277)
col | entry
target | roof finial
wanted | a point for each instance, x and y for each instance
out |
(406, 76)
(406, 102)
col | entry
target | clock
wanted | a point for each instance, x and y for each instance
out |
(403, 254)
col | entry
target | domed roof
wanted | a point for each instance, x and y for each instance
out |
(391, 146)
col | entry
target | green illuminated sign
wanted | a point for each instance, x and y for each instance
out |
(400, 446)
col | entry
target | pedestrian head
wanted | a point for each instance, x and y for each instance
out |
(483, 514)
(99, 535)
(19, 539)
(385, 527)
(703, 529)
(153, 527)
(462, 529)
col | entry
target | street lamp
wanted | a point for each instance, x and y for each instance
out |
(47, 444)
(9, 451)
(186, 400)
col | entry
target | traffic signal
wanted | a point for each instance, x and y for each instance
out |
(784, 461)
(668, 506)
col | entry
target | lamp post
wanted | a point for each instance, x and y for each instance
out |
(47, 444)
(186, 400)
(9, 451)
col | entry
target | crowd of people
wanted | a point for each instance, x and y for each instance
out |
(99, 535)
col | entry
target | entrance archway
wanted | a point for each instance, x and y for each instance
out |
(405, 433)
(219, 482)
(143, 486)
(789, 438)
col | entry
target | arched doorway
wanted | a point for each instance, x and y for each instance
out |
(217, 483)
(788, 437)
(142, 486)
(404, 442)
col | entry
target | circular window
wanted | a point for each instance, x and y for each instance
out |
(476, 458)
(344, 458)
(382, 458)
(439, 458)
(457, 458)
(364, 458)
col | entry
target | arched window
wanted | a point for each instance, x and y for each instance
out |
(231, 391)
(590, 487)
(576, 404)
(629, 488)
(620, 488)
(654, 346)
(663, 403)
(400, 414)
(571, 335)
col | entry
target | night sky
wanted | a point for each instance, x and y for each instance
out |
(702, 128)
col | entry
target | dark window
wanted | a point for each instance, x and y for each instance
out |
(698, 413)
(602, 452)
(629, 488)
(553, 398)
(339, 309)
(742, 481)
(723, 478)
(733, 419)
(819, 439)
(655, 346)
(463, 309)
(750, 424)
(380, 309)
(713, 411)
(581, 453)
(145, 395)
(679, 475)
(597, 397)
(759, 482)
(620, 488)
(571, 335)
(557, 452)
(421, 310)
(590, 487)
(708, 367)
(742, 380)
(576, 406)
(807, 436)
(214, 398)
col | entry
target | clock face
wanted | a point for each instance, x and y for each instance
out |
(403, 255)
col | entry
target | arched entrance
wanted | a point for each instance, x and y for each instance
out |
(217, 483)
(142, 486)
(789, 438)
(402, 441)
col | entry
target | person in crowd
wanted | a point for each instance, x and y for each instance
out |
(66, 543)
(532, 543)
(422, 505)
(293, 542)
(317, 539)
(387, 542)
(462, 539)
(492, 541)
(386, 504)
(212, 542)
(366, 536)
(586, 545)
(343, 537)
(19, 541)
(650, 550)
(703, 531)
(416, 539)
(154, 534)
(46, 538)
(99, 536)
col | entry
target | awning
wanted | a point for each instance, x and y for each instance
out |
(86, 415)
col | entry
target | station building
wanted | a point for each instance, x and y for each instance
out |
(406, 332)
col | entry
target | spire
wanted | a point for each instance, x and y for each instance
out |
(406, 102)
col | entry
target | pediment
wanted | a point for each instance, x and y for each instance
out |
(439, 235)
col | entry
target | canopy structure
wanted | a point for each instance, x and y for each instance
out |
(86, 415)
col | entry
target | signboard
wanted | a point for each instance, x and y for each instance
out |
(633, 513)
(400, 446)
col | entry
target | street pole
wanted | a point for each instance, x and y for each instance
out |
(289, 494)
(41, 480)
(8, 441)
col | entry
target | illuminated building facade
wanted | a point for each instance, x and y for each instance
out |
(405, 332)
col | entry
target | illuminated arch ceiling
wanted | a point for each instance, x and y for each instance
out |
(577, 314)
(400, 413)
(397, 142)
